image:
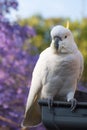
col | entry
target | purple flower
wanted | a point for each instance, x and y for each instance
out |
(14, 4)
(16, 65)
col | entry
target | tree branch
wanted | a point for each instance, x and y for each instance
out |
(9, 121)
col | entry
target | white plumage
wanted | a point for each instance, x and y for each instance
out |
(56, 74)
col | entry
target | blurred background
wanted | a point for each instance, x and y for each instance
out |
(25, 32)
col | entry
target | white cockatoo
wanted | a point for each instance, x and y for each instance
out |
(56, 74)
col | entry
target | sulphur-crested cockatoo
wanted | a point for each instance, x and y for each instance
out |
(55, 75)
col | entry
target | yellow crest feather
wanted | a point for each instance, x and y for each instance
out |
(67, 25)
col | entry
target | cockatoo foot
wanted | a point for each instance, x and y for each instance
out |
(50, 103)
(73, 104)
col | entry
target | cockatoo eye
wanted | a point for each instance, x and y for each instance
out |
(65, 36)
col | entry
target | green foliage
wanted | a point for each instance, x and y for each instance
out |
(43, 39)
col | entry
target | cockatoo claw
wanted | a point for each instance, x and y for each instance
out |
(73, 104)
(50, 103)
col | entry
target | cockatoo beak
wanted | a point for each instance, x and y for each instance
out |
(57, 39)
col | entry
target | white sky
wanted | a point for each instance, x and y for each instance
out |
(74, 9)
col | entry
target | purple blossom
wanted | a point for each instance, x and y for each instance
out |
(16, 65)
(5, 5)
(14, 4)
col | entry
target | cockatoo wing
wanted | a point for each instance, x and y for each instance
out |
(32, 114)
(81, 65)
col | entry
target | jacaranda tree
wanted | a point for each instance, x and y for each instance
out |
(16, 65)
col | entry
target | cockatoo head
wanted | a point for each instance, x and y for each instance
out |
(62, 40)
